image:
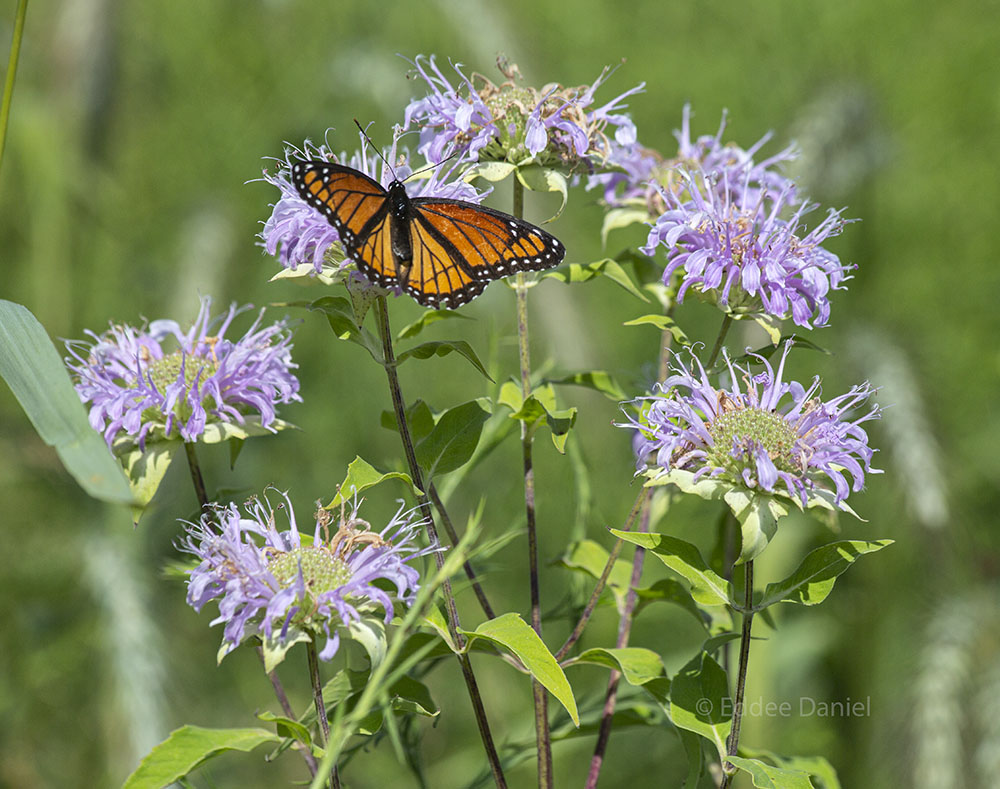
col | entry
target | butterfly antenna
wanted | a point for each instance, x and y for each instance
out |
(432, 166)
(376, 149)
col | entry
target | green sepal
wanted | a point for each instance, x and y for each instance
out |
(145, 470)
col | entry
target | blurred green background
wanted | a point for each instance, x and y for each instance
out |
(135, 130)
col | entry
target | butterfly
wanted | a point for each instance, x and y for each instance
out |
(442, 252)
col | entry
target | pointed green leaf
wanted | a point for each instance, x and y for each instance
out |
(696, 759)
(146, 469)
(362, 296)
(286, 727)
(443, 348)
(512, 633)
(429, 317)
(816, 766)
(663, 323)
(31, 366)
(758, 518)
(667, 590)
(598, 380)
(699, 701)
(369, 631)
(341, 316)
(813, 580)
(636, 664)
(235, 449)
(304, 273)
(274, 646)
(770, 324)
(707, 587)
(577, 272)
(539, 407)
(362, 475)
(419, 417)
(544, 179)
(491, 171)
(454, 438)
(591, 558)
(769, 350)
(411, 696)
(767, 777)
(217, 432)
(188, 747)
(616, 218)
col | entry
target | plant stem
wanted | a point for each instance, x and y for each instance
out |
(286, 708)
(8, 88)
(196, 477)
(605, 573)
(449, 527)
(399, 407)
(317, 689)
(727, 321)
(732, 745)
(542, 735)
(631, 599)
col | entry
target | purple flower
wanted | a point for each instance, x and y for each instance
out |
(731, 243)
(282, 584)
(555, 126)
(769, 435)
(297, 234)
(637, 174)
(163, 381)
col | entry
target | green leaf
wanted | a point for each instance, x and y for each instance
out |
(770, 324)
(577, 272)
(454, 438)
(667, 590)
(429, 317)
(362, 475)
(305, 273)
(443, 348)
(750, 357)
(274, 646)
(543, 179)
(286, 727)
(362, 296)
(491, 171)
(515, 635)
(767, 777)
(590, 557)
(814, 578)
(616, 218)
(235, 448)
(598, 380)
(699, 701)
(663, 323)
(696, 760)
(369, 631)
(707, 587)
(217, 432)
(340, 314)
(31, 366)
(636, 664)
(816, 766)
(413, 697)
(419, 417)
(146, 469)
(539, 408)
(758, 518)
(188, 747)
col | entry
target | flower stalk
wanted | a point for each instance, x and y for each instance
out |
(317, 690)
(542, 734)
(399, 407)
(733, 743)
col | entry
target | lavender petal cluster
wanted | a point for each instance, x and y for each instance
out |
(767, 435)
(269, 581)
(159, 379)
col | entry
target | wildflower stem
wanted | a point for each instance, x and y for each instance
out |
(317, 688)
(605, 573)
(399, 407)
(732, 745)
(286, 707)
(196, 477)
(542, 735)
(631, 599)
(8, 88)
(727, 321)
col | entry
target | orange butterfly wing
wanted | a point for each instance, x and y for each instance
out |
(357, 207)
(460, 247)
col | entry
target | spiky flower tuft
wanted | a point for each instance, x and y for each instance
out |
(554, 126)
(284, 585)
(766, 435)
(161, 381)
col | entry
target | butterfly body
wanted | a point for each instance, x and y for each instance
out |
(442, 252)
